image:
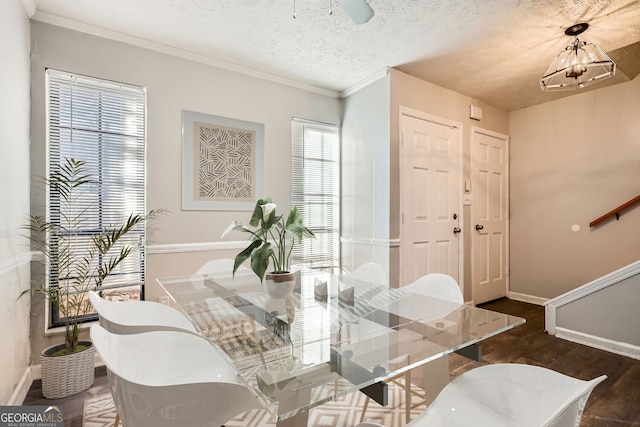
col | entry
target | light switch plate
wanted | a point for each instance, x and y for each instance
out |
(466, 199)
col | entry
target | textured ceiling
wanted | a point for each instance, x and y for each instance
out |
(492, 50)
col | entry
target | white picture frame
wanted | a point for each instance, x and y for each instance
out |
(221, 162)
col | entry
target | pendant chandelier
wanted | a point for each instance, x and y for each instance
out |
(580, 64)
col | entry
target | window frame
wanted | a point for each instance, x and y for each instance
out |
(303, 199)
(120, 141)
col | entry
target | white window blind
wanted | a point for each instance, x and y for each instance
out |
(315, 191)
(103, 124)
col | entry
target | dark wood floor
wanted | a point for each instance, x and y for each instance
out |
(614, 403)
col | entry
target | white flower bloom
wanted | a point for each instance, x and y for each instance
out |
(229, 228)
(267, 208)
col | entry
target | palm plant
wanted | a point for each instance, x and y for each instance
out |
(71, 275)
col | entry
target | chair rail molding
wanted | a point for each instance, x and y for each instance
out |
(174, 248)
(10, 264)
(390, 243)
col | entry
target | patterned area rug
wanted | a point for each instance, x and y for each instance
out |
(100, 412)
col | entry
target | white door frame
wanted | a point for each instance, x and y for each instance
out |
(416, 114)
(506, 138)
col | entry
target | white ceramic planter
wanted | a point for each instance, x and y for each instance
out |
(280, 285)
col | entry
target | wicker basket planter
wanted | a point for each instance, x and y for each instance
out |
(65, 375)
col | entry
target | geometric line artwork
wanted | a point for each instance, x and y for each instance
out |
(224, 164)
(221, 162)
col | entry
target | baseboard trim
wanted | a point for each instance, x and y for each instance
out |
(621, 348)
(527, 298)
(22, 389)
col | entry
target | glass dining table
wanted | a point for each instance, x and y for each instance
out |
(331, 336)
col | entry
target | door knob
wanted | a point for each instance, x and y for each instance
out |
(456, 230)
(479, 227)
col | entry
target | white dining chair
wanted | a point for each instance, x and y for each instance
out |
(436, 285)
(507, 395)
(133, 317)
(370, 272)
(168, 379)
(221, 266)
(220, 269)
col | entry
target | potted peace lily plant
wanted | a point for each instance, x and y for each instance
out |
(269, 244)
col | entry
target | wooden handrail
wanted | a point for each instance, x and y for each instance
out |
(615, 212)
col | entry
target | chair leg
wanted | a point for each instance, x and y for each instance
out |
(117, 421)
(364, 409)
(407, 396)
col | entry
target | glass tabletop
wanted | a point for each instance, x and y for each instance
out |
(331, 336)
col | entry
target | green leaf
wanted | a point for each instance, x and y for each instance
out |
(246, 253)
(257, 211)
(295, 228)
(260, 259)
(293, 217)
(273, 219)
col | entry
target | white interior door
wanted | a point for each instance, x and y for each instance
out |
(429, 198)
(489, 215)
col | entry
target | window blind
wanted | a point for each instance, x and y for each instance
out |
(103, 124)
(315, 191)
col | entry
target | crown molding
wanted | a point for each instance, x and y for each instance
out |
(366, 82)
(30, 7)
(59, 21)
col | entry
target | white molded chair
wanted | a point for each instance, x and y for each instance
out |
(134, 317)
(168, 379)
(436, 285)
(507, 395)
(222, 267)
(370, 272)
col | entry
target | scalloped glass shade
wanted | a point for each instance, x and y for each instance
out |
(580, 64)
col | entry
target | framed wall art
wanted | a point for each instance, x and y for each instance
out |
(221, 162)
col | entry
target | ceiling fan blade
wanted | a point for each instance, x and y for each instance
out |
(358, 10)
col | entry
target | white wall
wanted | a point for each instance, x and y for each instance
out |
(365, 177)
(573, 160)
(14, 194)
(181, 241)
